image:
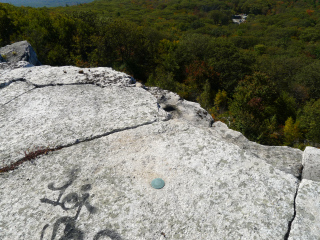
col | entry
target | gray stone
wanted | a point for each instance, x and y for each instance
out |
(306, 224)
(10, 66)
(283, 158)
(42, 76)
(213, 189)
(311, 164)
(180, 108)
(68, 109)
(14, 90)
(19, 51)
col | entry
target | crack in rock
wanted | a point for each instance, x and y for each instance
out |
(17, 97)
(286, 236)
(6, 84)
(31, 155)
(63, 84)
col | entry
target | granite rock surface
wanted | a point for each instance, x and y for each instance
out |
(306, 224)
(80, 147)
(19, 51)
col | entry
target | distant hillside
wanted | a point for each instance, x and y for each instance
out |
(44, 3)
(261, 77)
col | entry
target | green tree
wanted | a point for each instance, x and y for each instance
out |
(39, 31)
(231, 64)
(291, 132)
(206, 97)
(309, 76)
(221, 101)
(254, 108)
(310, 120)
(220, 17)
(135, 47)
(6, 27)
(260, 49)
(163, 79)
(201, 79)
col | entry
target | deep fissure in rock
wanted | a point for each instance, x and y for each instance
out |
(33, 154)
(65, 84)
(286, 236)
(6, 84)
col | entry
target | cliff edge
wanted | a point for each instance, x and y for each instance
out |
(80, 149)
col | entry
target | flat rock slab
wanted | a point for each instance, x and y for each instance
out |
(283, 158)
(101, 188)
(306, 224)
(311, 164)
(47, 75)
(14, 90)
(54, 116)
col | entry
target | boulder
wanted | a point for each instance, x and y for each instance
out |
(306, 224)
(311, 164)
(283, 158)
(10, 66)
(19, 51)
(180, 108)
(79, 149)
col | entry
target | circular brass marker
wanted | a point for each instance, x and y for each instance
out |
(157, 183)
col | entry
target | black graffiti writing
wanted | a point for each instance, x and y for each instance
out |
(70, 232)
(107, 233)
(73, 201)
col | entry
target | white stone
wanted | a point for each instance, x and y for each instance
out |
(311, 164)
(306, 224)
(47, 75)
(56, 116)
(180, 108)
(283, 158)
(19, 51)
(214, 189)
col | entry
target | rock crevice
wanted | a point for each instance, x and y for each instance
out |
(32, 154)
(6, 84)
(306, 222)
(287, 235)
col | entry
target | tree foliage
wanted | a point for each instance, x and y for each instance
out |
(310, 120)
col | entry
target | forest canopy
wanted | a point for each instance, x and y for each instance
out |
(44, 3)
(261, 77)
